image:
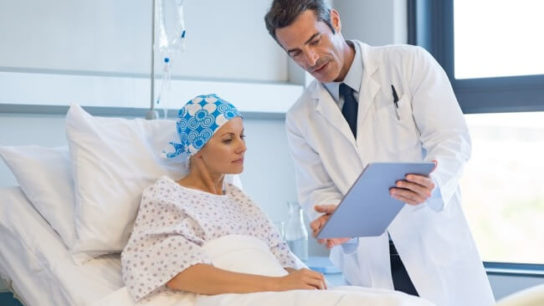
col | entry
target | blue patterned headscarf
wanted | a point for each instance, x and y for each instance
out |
(197, 121)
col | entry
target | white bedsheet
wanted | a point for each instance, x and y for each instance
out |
(38, 266)
(41, 271)
(247, 254)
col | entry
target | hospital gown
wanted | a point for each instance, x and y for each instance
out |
(173, 223)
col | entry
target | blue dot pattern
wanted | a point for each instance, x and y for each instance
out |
(197, 121)
(173, 224)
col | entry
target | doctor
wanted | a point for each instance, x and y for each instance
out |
(369, 104)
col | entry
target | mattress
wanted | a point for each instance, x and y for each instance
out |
(37, 265)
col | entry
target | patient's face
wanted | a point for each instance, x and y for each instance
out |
(224, 152)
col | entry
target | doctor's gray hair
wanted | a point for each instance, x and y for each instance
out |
(283, 13)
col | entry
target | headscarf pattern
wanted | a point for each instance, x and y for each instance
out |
(197, 121)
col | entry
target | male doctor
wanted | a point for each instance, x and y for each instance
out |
(369, 104)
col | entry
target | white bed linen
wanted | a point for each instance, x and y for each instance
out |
(41, 271)
(246, 254)
(39, 267)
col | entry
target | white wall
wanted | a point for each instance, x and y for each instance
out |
(98, 53)
(225, 39)
(374, 22)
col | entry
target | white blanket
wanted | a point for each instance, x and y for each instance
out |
(247, 254)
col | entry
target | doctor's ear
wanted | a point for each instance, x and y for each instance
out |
(335, 21)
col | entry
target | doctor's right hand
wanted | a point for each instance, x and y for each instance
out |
(318, 223)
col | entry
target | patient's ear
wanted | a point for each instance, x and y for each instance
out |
(197, 155)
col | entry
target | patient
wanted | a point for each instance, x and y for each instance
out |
(177, 219)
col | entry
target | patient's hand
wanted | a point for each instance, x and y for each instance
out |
(318, 223)
(302, 279)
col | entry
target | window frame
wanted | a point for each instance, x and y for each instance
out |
(430, 25)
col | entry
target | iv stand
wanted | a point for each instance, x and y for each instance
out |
(152, 113)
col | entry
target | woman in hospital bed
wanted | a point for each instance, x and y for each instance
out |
(185, 227)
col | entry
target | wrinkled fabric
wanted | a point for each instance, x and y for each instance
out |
(174, 222)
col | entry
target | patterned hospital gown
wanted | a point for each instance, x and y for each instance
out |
(173, 223)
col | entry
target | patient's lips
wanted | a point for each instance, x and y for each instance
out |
(239, 161)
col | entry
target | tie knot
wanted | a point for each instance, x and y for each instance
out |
(345, 90)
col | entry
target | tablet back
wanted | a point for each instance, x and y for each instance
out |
(368, 209)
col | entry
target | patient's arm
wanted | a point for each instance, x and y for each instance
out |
(207, 279)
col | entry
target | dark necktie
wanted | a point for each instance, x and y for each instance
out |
(349, 110)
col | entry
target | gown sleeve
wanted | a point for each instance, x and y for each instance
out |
(164, 242)
(279, 247)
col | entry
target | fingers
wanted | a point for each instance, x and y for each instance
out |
(420, 180)
(314, 279)
(327, 209)
(318, 223)
(336, 241)
(416, 189)
(408, 197)
(302, 279)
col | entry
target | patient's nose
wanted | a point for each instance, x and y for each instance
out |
(241, 147)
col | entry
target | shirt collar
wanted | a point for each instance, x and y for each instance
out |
(353, 78)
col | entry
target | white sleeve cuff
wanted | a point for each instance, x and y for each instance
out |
(436, 202)
(350, 246)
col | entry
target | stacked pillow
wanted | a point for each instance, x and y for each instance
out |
(90, 193)
(45, 176)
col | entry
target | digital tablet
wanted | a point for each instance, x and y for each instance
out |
(367, 209)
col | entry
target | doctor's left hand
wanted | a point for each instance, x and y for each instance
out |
(318, 223)
(413, 190)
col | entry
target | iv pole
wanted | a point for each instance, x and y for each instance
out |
(152, 113)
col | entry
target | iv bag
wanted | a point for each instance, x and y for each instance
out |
(170, 42)
(171, 26)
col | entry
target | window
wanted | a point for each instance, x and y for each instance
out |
(492, 52)
(503, 186)
(508, 41)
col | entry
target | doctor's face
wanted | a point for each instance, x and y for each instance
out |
(224, 152)
(314, 46)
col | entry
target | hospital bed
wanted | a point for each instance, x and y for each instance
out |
(42, 259)
(36, 265)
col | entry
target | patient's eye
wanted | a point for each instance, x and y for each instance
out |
(227, 140)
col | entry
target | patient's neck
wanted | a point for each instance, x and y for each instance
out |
(201, 178)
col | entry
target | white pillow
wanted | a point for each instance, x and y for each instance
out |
(113, 160)
(45, 177)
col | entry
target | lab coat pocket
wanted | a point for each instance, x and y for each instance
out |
(396, 119)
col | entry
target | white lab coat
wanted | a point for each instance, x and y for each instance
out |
(433, 239)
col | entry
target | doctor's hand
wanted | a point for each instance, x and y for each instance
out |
(318, 223)
(414, 189)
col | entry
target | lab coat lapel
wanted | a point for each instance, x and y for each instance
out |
(328, 109)
(369, 86)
